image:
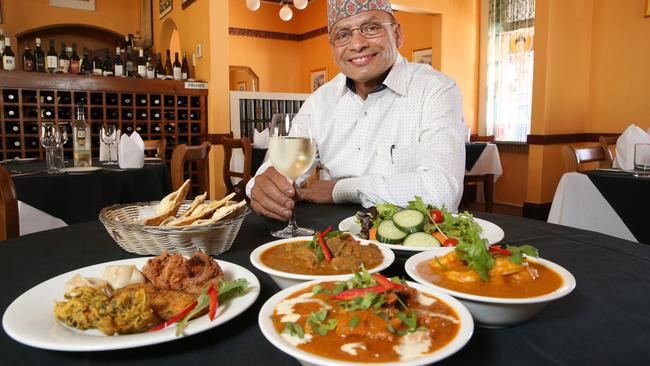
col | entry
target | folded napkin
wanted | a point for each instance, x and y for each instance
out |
(105, 149)
(261, 139)
(625, 146)
(131, 151)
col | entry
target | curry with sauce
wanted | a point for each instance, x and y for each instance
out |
(302, 257)
(368, 318)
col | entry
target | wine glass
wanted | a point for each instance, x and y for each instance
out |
(292, 152)
(51, 140)
(108, 135)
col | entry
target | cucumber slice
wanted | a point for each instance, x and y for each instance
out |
(389, 234)
(409, 221)
(421, 239)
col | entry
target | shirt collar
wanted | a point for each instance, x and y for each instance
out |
(396, 79)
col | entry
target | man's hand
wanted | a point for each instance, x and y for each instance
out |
(272, 194)
(320, 191)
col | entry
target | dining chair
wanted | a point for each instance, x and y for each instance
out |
(196, 158)
(158, 146)
(247, 147)
(9, 223)
(574, 157)
(605, 142)
(486, 179)
(478, 138)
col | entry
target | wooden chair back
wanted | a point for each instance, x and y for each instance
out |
(477, 138)
(198, 154)
(158, 146)
(605, 141)
(9, 223)
(573, 157)
(247, 147)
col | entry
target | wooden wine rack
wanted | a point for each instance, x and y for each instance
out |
(156, 109)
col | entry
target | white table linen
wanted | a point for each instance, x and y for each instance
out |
(32, 220)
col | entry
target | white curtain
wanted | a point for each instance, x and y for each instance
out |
(510, 68)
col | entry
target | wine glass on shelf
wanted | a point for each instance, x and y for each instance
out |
(108, 135)
(292, 152)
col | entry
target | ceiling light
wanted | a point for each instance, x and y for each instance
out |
(285, 13)
(300, 4)
(253, 5)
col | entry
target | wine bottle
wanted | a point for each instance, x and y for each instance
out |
(75, 64)
(52, 60)
(97, 64)
(169, 72)
(8, 58)
(141, 65)
(151, 67)
(160, 71)
(119, 64)
(107, 65)
(81, 139)
(185, 68)
(176, 67)
(28, 59)
(86, 64)
(39, 57)
(128, 62)
(64, 60)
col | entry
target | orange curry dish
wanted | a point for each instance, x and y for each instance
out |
(368, 318)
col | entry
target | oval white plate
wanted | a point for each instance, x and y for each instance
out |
(287, 278)
(462, 337)
(491, 232)
(81, 170)
(30, 318)
(19, 160)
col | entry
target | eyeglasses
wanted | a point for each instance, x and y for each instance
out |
(367, 30)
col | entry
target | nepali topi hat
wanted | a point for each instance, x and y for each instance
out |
(340, 9)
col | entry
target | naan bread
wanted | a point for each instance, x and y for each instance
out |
(168, 206)
(220, 213)
(202, 211)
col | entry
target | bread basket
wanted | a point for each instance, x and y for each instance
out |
(213, 239)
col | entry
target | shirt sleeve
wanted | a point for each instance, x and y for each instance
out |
(440, 154)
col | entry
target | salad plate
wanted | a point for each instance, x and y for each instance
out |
(30, 318)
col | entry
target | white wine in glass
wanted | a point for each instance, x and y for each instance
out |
(292, 153)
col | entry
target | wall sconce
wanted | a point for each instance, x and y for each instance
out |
(285, 11)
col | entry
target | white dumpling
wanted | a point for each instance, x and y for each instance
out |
(122, 275)
(78, 281)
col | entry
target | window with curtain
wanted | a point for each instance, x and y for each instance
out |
(510, 69)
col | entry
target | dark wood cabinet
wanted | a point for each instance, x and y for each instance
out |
(156, 109)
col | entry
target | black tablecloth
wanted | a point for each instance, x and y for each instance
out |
(79, 198)
(472, 153)
(628, 195)
(604, 321)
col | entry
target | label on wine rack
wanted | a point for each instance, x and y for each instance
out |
(195, 85)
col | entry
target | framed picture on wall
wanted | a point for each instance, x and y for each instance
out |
(647, 8)
(164, 7)
(241, 86)
(317, 78)
(186, 3)
(0, 12)
(74, 4)
(422, 56)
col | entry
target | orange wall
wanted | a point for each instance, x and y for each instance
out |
(22, 16)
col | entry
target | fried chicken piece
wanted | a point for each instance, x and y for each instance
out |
(174, 272)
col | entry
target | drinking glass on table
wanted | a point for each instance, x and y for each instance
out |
(642, 160)
(50, 138)
(292, 152)
(108, 135)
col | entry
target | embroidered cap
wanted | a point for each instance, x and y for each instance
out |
(339, 9)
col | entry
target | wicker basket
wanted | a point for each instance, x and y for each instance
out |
(212, 239)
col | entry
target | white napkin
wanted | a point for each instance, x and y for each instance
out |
(104, 149)
(261, 139)
(633, 134)
(131, 151)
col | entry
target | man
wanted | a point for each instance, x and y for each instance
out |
(385, 129)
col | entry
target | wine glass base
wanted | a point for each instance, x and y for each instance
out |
(289, 232)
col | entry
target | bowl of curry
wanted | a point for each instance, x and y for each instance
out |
(295, 260)
(365, 319)
(507, 293)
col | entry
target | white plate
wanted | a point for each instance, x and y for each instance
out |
(491, 232)
(498, 311)
(19, 160)
(152, 160)
(30, 318)
(462, 337)
(286, 279)
(81, 170)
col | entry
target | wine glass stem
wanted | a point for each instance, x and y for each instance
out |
(292, 220)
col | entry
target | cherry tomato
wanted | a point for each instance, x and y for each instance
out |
(450, 242)
(437, 216)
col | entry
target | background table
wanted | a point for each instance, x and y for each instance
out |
(604, 321)
(79, 198)
(608, 202)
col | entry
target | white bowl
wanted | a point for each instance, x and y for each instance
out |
(286, 279)
(305, 358)
(498, 312)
